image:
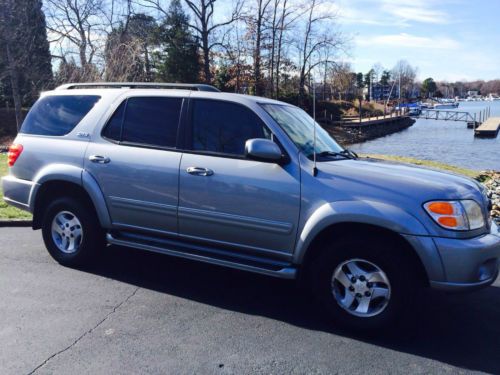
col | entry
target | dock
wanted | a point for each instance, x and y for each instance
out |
(354, 130)
(489, 128)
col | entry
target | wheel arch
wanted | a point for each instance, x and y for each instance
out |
(84, 188)
(374, 218)
(355, 230)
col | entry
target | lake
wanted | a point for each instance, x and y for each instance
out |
(449, 142)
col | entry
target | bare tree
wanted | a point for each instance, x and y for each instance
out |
(77, 24)
(124, 59)
(315, 39)
(203, 11)
(285, 22)
(256, 19)
(377, 70)
(405, 75)
(343, 80)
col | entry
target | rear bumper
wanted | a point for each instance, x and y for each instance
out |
(17, 192)
(469, 264)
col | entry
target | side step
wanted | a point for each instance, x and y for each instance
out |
(204, 254)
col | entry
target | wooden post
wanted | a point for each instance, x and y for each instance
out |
(360, 109)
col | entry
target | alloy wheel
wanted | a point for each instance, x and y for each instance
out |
(361, 288)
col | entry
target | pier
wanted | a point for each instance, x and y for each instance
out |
(355, 130)
(435, 114)
(489, 128)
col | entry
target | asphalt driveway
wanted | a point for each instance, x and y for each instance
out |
(138, 312)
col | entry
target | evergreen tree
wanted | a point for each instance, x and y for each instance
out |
(385, 77)
(222, 79)
(180, 60)
(429, 87)
(38, 75)
(25, 59)
(360, 83)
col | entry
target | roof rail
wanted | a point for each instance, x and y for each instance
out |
(138, 85)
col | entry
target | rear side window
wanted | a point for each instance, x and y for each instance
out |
(114, 127)
(224, 127)
(152, 121)
(57, 115)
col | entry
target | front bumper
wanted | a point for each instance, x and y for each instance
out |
(17, 192)
(469, 264)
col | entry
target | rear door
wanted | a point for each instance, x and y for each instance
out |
(136, 163)
(237, 202)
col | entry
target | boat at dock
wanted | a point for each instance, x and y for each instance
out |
(445, 105)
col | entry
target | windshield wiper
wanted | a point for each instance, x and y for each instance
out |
(349, 152)
(346, 154)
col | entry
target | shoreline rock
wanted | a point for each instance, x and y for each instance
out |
(491, 180)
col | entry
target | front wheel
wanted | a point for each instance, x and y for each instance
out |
(365, 285)
(71, 232)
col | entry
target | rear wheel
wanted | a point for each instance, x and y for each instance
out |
(364, 285)
(71, 232)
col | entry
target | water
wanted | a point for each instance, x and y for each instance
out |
(449, 142)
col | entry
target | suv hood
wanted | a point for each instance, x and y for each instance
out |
(405, 180)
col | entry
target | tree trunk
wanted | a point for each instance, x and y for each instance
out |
(14, 82)
(302, 90)
(147, 63)
(256, 63)
(206, 58)
(279, 48)
(273, 47)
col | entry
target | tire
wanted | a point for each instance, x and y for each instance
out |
(71, 232)
(389, 294)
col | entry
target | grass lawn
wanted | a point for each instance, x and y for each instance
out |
(6, 211)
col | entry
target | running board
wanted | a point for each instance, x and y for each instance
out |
(202, 254)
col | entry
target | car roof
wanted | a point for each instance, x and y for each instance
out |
(129, 92)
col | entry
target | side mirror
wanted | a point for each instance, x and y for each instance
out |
(263, 150)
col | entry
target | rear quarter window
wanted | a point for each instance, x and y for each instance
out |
(57, 115)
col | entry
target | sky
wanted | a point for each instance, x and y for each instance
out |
(446, 39)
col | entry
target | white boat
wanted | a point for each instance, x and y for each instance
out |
(445, 105)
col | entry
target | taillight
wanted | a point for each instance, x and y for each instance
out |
(13, 155)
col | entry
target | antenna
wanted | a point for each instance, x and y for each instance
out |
(315, 169)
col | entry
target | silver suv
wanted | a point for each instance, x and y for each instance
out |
(248, 183)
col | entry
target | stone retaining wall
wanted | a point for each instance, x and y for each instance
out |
(356, 133)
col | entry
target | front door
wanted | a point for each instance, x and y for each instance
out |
(136, 164)
(227, 199)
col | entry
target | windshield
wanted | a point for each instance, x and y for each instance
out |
(299, 127)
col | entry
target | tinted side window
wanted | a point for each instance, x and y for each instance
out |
(152, 121)
(114, 127)
(224, 127)
(58, 115)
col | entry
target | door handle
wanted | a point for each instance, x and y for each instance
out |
(197, 171)
(99, 159)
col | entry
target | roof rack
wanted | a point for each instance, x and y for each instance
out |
(138, 85)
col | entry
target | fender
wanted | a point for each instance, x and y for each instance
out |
(51, 172)
(94, 191)
(73, 174)
(366, 212)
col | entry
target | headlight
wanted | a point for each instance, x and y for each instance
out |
(456, 215)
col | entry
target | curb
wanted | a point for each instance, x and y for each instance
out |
(15, 223)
